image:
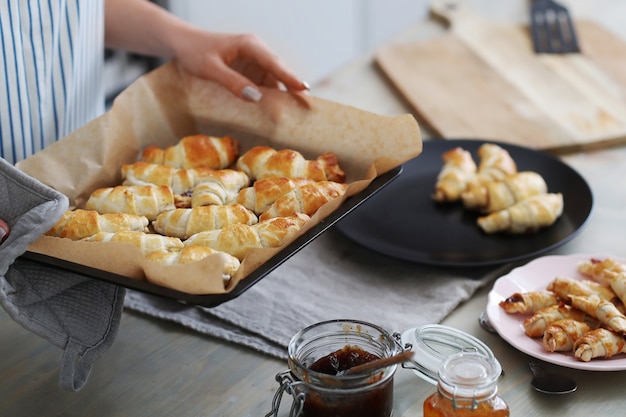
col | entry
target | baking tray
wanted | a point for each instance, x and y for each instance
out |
(212, 300)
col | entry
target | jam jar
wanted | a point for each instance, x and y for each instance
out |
(318, 356)
(467, 387)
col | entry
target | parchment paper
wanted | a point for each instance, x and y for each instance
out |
(168, 104)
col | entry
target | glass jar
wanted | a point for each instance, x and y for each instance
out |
(467, 387)
(320, 353)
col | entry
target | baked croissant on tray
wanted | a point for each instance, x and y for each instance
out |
(145, 242)
(262, 193)
(265, 162)
(78, 224)
(185, 222)
(140, 200)
(180, 180)
(194, 253)
(307, 199)
(239, 239)
(195, 151)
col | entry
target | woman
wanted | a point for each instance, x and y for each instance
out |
(53, 54)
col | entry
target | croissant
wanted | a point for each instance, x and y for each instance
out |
(561, 335)
(536, 325)
(617, 282)
(493, 196)
(564, 287)
(239, 239)
(597, 269)
(195, 151)
(598, 343)
(458, 170)
(194, 253)
(220, 187)
(527, 216)
(495, 163)
(180, 180)
(265, 162)
(78, 224)
(603, 310)
(528, 302)
(262, 193)
(146, 242)
(185, 222)
(306, 199)
(140, 200)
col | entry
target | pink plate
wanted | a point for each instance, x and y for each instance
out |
(535, 276)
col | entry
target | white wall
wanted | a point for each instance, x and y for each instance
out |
(315, 38)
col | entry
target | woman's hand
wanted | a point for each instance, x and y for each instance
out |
(240, 62)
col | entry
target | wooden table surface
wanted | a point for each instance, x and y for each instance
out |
(157, 368)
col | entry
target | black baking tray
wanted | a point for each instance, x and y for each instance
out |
(212, 300)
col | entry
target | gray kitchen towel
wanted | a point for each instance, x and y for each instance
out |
(331, 278)
(74, 312)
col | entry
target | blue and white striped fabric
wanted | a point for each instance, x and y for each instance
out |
(52, 55)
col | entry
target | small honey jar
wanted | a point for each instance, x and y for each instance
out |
(467, 387)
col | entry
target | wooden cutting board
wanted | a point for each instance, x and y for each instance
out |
(482, 79)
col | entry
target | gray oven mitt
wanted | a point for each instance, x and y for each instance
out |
(79, 314)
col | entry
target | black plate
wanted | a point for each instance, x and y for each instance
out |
(212, 300)
(404, 222)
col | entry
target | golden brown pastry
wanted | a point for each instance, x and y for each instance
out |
(617, 282)
(536, 325)
(265, 162)
(146, 242)
(564, 287)
(220, 187)
(193, 253)
(239, 239)
(603, 310)
(78, 224)
(495, 163)
(528, 302)
(598, 343)
(527, 216)
(262, 193)
(307, 199)
(185, 222)
(561, 335)
(180, 180)
(195, 151)
(597, 269)
(491, 196)
(140, 200)
(458, 170)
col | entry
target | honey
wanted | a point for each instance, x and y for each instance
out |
(467, 387)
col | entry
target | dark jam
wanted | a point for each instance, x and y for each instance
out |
(372, 399)
(342, 360)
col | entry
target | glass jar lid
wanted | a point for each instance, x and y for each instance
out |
(469, 374)
(433, 343)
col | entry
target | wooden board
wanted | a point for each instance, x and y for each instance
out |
(483, 80)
